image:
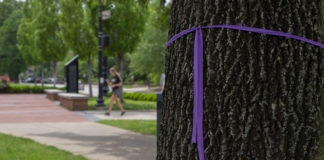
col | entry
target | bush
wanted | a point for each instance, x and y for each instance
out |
(17, 88)
(140, 96)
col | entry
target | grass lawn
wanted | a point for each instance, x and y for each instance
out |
(15, 148)
(141, 126)
(127, 86)
(128, 104)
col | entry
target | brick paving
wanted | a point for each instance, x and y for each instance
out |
(27, 108)
(36, 117)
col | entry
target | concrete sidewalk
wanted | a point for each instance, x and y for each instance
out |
(33, 116)
(95, 141)
(115, 115)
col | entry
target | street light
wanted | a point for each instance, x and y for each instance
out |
(103, 41)
(105, 88)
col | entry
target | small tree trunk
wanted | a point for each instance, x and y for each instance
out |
(42, 76)
(120, 61)
(35, 75)
(90, 74)
(55, 73)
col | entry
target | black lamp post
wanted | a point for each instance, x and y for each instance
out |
(105, 88)
(100, 100)
(103, 41)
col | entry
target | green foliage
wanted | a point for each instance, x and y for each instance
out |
(78, 22)
(12, 62)
(127, 23)
(124, 28)
(38, 32)
(25, 35)
(78, 27)
(148, 58)
(15, 148)
(161, 15)
(140, 96)
(7, 7)
(150, 97)
(17, 88)
(50, 45)
(140, 126)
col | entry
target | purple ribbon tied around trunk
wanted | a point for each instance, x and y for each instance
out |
(197, 132)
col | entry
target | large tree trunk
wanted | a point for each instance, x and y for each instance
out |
(90, 74)
(261, 93)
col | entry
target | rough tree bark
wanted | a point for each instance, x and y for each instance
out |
(261, 93)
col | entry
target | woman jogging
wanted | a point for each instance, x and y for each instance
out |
(115, 84)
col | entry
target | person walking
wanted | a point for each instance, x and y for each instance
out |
(116, 84)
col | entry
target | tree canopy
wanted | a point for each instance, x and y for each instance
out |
(48, 29)
(125, 27)
(80, 37)
(148, 58)
(38, 32)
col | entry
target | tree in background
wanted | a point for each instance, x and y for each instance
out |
(78, 30)
(261, 93)
(49, 44)
(38, 34)
(12, 62)
(6, 8)
(25, 36)
(149, 56)
(125, 26)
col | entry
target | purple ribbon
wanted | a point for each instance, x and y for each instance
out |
(197, 131)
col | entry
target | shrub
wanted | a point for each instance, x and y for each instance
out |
(17, 88)
(140, 96)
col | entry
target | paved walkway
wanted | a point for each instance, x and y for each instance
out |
(33, 116)
(130, 115)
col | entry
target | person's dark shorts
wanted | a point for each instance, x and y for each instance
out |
(117, 91)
